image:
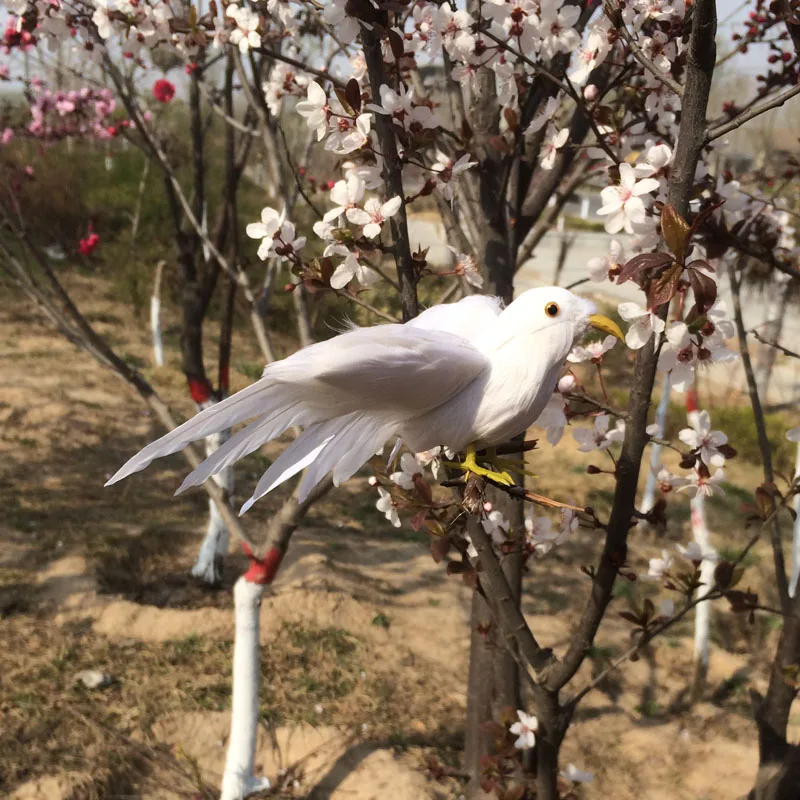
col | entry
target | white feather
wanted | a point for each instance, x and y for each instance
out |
(457, 374)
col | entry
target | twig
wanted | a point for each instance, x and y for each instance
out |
(615, 15)
(393, 176)
(755, 111)
(701, 54)
(780, 347)
(763, 439)
(359, 302)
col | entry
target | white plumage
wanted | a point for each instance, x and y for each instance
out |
(468, 373)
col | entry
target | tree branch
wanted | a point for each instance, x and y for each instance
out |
(393, 176)
(763, 440)
(755, 111)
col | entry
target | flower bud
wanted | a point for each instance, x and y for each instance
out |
(590, 92)
(566, 384)
(487, 506)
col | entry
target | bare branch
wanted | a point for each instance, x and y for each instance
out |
(763, 440)
(775, 102)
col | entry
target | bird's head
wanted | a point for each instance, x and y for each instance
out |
(558, 315)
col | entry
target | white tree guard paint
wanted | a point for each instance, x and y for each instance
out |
(702, 612)
(208, 566)
(155, 316)
(155, 327)
(649, 498)
(796, 533)
(239, 780)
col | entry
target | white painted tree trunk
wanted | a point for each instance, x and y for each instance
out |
(239, 780)
(796, 533)
(702, 612)
(649, 498)
(155, 318)
(208, 566)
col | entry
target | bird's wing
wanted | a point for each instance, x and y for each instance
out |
(391, 372)
(469, 318)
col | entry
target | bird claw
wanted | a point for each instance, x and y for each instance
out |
(469, 464)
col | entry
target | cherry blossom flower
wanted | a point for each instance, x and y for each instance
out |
(700, 437)
(594, 351)
(656, 158)
(315, 110)
(496, 526)
(347, 194)
(163, 90)
(387, 507)
(793, 435)
(394, 104)
(271, 221)
(374, 215)
(698, 482)
(334, 13)
(572, 773)
(599, 437)
(350, 268)
(642, 324)
(348, 135)
(601, 267)
(667, 607)
(288, 244)
(448, 169)
(543, 117)
(659, 566)
(694, 552)
(553, 419)
(245, 34)
(552, 144)
(623, 203)
(525, 730)
(409, 469)
(466, 267)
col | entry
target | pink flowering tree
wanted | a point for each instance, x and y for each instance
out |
(359, 113)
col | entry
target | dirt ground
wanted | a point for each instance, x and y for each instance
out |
(365, 638)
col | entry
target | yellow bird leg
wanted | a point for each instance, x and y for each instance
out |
(515, 464)
(469, 464)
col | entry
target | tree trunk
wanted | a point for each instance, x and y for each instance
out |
(239, 778)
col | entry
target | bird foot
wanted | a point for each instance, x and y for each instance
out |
(469, 464)
(514, 464)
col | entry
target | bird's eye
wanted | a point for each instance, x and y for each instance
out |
(551, 309)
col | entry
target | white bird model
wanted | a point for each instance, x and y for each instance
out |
(467, 375)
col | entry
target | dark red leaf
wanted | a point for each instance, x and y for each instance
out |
(440, 547)
(703, 216)
(676, 232)
(353, 94)
(704, 288)
(631, 617)
(397, 44)
(511, 118)
(664, 287)
(342, 95)
(633, 269)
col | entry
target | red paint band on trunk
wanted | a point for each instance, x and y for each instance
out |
(200, 390)
(263, 570)
(691, 400)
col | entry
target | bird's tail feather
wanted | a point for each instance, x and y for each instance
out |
(342, 444)
(241, 406)
(241, 444)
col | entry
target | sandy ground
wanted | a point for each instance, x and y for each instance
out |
(365, 639)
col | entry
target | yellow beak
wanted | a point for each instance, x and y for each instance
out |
(606, 325)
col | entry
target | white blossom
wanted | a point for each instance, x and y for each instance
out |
(700, 436)
(593, 351)
(315, 109)
(623, 203)
(600, 266)
(642, 324)
(374, 215)
(409, 468)
(658, 566)
(525, 730)
(386, 506)
(271, 222)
